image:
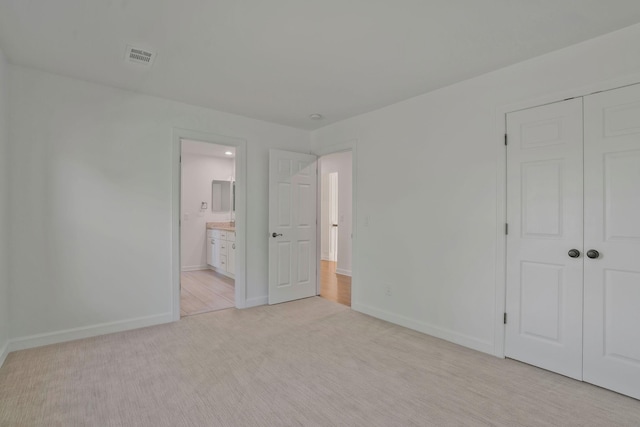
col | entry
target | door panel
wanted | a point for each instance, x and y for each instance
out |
(544, 212)
(542, 199)
(542, 290)
(612, 227)
(292, 217)
(621, 196)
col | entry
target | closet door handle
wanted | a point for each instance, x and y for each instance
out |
(574, 253)
(593, 254)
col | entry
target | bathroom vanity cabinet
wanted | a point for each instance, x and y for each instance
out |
(221, 250)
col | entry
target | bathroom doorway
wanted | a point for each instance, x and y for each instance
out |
(336, 177)
(207, 227)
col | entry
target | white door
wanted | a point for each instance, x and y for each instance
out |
(544, 214)
(292, 225)
(612, 227)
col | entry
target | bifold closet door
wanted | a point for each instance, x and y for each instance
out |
(545, 213)
(612, 228)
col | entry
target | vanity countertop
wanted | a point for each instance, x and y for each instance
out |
(226, 226)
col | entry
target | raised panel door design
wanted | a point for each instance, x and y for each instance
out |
(544, 212)
(292, 217)
(302, 168)
(284, 264)
(541, 133)
(284, 204)
(304, 270)
(621, 293)
(612, 227)
(541, 301)
(623, 119)
(542, 199)
(284, 167)
(622, 195)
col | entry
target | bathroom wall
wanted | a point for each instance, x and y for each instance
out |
(198, 170)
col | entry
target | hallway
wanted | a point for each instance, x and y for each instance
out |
(333, 286)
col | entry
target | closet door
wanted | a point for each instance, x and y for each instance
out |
(545, 212)
(612, 228)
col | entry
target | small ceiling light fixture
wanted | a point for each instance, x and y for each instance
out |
(228, 153)
(316, 116)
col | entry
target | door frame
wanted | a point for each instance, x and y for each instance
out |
(241, 211)
(349, 145)
(501, 186)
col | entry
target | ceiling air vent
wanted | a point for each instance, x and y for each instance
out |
(140, 56)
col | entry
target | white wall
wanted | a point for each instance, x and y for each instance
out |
(197, 173)
(340, 163)
(4, 209)
(427, 172)
(91, 218)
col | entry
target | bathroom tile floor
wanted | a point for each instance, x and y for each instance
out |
(205, 290)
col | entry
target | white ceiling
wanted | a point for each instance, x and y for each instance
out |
(281, 60)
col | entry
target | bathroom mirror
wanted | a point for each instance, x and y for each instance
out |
(223, 196)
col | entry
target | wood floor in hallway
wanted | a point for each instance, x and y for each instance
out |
(333, 286)
(205, 290)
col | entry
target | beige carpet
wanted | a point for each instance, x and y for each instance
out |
(309, 362)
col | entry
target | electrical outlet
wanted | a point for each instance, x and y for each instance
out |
(387, 290)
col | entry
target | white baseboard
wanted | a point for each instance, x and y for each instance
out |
(4, 352)
(425, 328)
(196, 267)
(39, 340)
(343, 272)
(254, 302)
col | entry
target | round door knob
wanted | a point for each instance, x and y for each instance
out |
(574, 253)
(593, 254)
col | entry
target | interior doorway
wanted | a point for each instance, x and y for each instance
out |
(336, 222)
(208, 227)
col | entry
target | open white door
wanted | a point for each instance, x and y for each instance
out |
(292, 225)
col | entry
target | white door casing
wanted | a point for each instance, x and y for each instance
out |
(612, 227)
(544, 215)
(292, 219)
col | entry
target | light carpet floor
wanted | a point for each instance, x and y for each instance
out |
(309, 362)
